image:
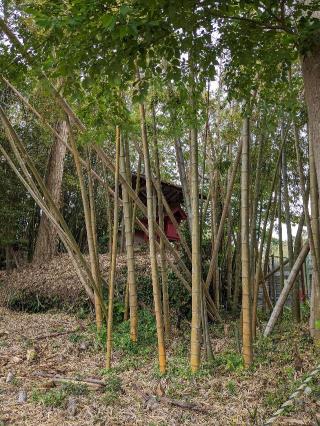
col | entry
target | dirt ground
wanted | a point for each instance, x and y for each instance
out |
(135, 394)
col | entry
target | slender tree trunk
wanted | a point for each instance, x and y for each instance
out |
(295, 292)
(163, 260)
(46, 243)
(109, 212)
(267, 295)
(273, 295)
(137, 189)
(280, 234)
(195, 236)
(229, 242)
(89, 228)
(131, 284)
(214, 234)
(245, 256)
(258, 277)
(203, 168)
(152, 242)
(183, 178)
(93, 222)
(229, 259)
(253, 222)
(224, 214)
(114, 250)
(237, 274)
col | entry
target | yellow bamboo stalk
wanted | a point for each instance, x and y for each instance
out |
(245, 256)
(163, 261)
(114, 251)
(152, 242)
(131, 284)
(89, 228)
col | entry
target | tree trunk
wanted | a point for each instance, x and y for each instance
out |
(93, 255)
(311, 78)
(93, 222)
(314, 198)
(163, 261)
(131, 284)
(183, 178)
(46, 244)
(108, 212)
(295, 293)
(195, 236)
(114, 250)
(253, 223)
(245, 256)
(152, 241)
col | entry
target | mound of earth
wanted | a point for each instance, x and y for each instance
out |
(55, 284)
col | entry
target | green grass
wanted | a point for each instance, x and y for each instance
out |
(56, 397)
(131, 352)
(232, 387)
(228, 361)
(113, 387)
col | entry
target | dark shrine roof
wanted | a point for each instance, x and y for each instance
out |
(173, 193)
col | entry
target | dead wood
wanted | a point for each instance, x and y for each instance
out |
(183, 404)
(57, 334)
(56, 378)
(176, 402)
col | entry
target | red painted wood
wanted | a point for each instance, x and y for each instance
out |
(169, 228)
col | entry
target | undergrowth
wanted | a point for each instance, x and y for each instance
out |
(33, 302)
(57, 397)
(127, 351)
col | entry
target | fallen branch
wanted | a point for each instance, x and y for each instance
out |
(286, 289)
(57, 334)
(95, 383)
(183, 404)
(176, 402)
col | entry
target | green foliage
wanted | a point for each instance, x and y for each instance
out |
(29, 302)
(131, 352)
(232, 387)
(113, 387)
(56, 398)
(230, 361)
(284, 388)
(75, 337)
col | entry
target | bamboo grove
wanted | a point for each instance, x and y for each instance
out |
(240, 135)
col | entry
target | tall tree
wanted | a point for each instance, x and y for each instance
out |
(152, 240)
(113, 262)
(46, 243)
(245, 256)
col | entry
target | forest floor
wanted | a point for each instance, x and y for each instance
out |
(222, 393)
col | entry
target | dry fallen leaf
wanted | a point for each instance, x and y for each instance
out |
(31, 355)
(159, 390)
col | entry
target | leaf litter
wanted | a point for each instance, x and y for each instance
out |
(222, 394)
